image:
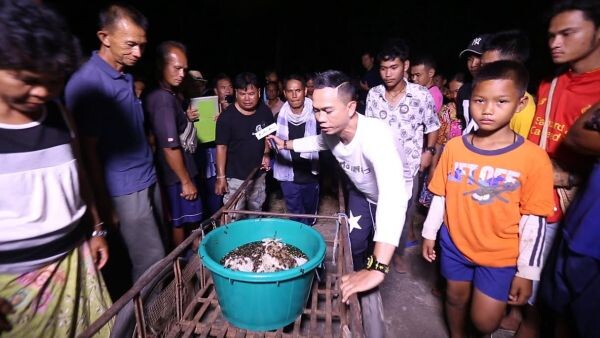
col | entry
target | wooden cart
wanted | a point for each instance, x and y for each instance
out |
(176, 297)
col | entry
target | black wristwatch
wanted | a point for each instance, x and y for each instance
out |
(431, 150)
(373, 264)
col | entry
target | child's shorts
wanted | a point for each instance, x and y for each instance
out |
(494, 282)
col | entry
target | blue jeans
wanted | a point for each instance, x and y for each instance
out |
(301, 198)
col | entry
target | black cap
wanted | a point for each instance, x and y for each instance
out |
(476, 45)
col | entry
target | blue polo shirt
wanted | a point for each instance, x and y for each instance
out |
(105, 107)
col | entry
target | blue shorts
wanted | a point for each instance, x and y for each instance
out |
(494, 282)
(183, 211)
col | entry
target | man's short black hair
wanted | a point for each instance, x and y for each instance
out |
(424, 59)
(392, 49)
(35, 38)
(504, 70)
(511, 44)
(110, 15)
(335, 79)
(296, 77)
(219, 77)
(590, 9)
(245, 79)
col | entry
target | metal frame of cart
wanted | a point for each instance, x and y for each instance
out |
(176, 296)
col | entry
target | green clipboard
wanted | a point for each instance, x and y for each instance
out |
(208, 108)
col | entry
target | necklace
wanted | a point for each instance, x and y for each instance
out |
(393, 96)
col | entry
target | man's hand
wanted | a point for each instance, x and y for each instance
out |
(266, 162)
(221, 186)
(224, 104)
(192, 113)
(359, 281)
(99, 250)
(278, 141)
(426, 158)
(5, 309)
(520, 291)
(189, 191)
(428, 250)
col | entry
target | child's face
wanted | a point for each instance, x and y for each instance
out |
(25, 91)
(494, 102)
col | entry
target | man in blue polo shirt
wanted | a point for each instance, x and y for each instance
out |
(115, 147)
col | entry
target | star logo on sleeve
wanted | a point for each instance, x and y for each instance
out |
(353, 221)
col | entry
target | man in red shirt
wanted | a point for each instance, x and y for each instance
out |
(574, 42)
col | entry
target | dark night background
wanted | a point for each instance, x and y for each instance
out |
(302, 36)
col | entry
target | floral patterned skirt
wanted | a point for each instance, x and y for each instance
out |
(57, 300)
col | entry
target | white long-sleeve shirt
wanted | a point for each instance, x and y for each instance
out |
(372, 162)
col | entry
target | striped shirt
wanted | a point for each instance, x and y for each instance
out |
(40, 203)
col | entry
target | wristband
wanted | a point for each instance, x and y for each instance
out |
(220, 176)
(373, 264)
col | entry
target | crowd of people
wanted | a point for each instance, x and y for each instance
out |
(510, 179)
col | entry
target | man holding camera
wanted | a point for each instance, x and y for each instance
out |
(224, 91)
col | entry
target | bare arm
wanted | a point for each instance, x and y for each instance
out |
(583, 137)
(174, 158)
(427, 157)
(98, 245)
(221, 184)
(93, 165)
(266, 159)
(367, 279)
(434, 160)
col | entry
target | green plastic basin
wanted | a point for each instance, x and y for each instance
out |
(262, 301)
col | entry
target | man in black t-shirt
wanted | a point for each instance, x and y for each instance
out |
(239, 151)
